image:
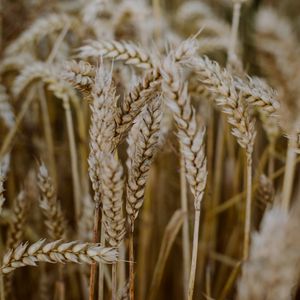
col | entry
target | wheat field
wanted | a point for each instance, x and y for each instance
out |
(149, 149)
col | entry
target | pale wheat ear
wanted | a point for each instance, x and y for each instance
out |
(55, 220)
(277, 235)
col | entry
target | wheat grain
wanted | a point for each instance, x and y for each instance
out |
(80, 74)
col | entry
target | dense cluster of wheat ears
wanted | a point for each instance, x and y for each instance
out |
(154, 146)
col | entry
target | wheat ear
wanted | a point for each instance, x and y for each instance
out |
(39, 29)
(142, 145)
(232, 103)
(102, 140)
(112, 186)
(56, 252)
(192, 147)
(55, 223)
(278, 234)
(129, 53)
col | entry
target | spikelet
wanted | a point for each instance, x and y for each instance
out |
(128, 53)
(51, 209)
(112, 186)
(273, 267)
(6, 112)
(56, 252)
(40, 28)
(142, 145)
(80, 74)
(191, 137)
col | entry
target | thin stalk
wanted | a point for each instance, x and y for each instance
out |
(144, 241)
(131, 267)
(234, 31)
(194, 255)
(114, 281)
(289, 174)
(101, 270)
(186, 249)
(235, 199)
(170, 234)
(271, 162)
(2, 292)
(74, 157)
(47, 130)
(248, 207)
(95, 240)
(121, 266)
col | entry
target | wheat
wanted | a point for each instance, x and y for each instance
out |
(16, 229)
(112, 191)
(55, 223)
(142, 142)
(278, 235)
(56, 252)
(229, 99)
(126, 52)
(39, 29)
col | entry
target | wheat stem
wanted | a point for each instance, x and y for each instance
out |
(248, 207)
(131, 267)
(234, 31)
(95, 239)
(114, 281)
(194, 255)
(185, 228)
(289, 174)
(101, 268)
(74, 157)
(47, 130)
